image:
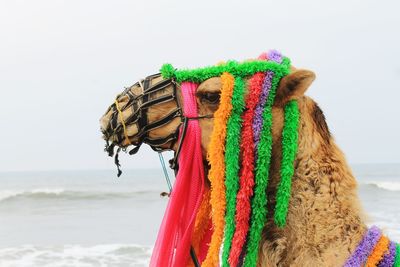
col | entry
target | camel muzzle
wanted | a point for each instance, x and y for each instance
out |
(128, 121)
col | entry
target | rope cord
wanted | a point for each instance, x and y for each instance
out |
(122, 122)
(162, 161)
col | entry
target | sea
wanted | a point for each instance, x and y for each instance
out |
(93, 218)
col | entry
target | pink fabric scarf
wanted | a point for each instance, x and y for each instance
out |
(173, 243)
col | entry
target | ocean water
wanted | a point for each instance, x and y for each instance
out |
(93, 218)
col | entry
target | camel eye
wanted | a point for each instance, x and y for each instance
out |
(212, 98)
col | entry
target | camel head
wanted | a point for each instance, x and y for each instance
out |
(150, 111)
(248, 114)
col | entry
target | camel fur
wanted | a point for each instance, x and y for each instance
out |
(325, 221)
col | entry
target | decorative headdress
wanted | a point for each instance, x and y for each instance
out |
(239, 155)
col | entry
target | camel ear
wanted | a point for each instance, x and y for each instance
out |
(293, 86)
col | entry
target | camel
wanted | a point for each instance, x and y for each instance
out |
(325, 221)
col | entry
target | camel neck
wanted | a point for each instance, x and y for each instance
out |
(325, 222)
(325, 214)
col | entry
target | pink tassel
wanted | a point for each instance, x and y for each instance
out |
(173, 243)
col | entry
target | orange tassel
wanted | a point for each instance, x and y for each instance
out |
(377, 254)
(202, 220)
(216, 174)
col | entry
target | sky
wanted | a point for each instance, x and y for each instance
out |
(63, 62)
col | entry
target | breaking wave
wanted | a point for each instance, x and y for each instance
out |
(389, 186)
(45, 193)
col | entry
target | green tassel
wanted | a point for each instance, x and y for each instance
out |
(167, 71)
(290, 137)
(232, 164)
(259, 202)
(397, 258)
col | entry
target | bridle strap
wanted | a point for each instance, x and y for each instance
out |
(146, 127)
(139, 117)
(141, 113)
(159, 123)
(174, 161)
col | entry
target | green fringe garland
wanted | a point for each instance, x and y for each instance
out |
(289, 150)
(259, 203)
(397, 258)
(242, 70)
(232, 163)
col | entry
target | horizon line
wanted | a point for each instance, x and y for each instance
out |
(156, 168)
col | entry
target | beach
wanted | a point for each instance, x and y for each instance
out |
(93, 218)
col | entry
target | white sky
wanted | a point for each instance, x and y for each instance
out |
(63, 62)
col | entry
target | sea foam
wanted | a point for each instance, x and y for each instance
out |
(76, 255)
